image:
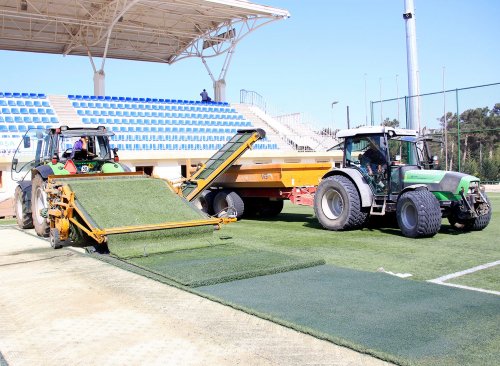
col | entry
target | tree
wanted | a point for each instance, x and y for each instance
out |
(394, 123)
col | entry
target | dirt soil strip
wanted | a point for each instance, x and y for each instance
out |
(75, 310)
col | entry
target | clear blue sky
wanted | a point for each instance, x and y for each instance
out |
(321, 54)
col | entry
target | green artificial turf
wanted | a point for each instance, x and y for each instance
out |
(486, 279)
(296, 231)
(402, 321)
(221, 263)
(124, 202)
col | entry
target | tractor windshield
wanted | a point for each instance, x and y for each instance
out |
(97, 147)
(367, 153)
(29, 153)
(402, 150)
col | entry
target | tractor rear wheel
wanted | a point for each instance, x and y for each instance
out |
(337, 204)
(225, 200)
(23, 208)
(419, 214)
(39, 206)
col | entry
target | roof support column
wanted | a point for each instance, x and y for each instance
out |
(99, 83)
(220, 90)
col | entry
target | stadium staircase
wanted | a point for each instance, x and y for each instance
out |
(273, 134)
(64, 110)
(290, 139)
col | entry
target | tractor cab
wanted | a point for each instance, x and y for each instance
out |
(382, 155)
(55, 147)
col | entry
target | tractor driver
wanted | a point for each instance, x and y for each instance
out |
(80, 148)
(373, 159)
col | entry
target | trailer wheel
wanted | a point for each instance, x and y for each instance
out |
(419, 214)
(337, 204)
(39, 204)
(272, 208)
(55, 241)
(23, 208)
(206, 201)
(225, 200)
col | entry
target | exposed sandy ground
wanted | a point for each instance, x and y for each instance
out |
(63, 308)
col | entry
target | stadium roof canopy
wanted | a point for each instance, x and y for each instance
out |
(146, 30)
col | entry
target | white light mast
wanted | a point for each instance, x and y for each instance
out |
(412, 65)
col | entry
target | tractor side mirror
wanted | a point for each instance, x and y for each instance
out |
(26, 142)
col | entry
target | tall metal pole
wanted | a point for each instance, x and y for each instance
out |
(412, 65)
(445, 127)
(458, 132)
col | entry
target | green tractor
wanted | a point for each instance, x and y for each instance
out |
(44, 152)
(389, 171)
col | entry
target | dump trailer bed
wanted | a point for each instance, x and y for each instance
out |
(287, 175)
(261, 188)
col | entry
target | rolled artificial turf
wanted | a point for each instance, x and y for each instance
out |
(115, 202)
(221, 263)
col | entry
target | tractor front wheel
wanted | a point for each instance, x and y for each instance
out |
(39, 206)
(419, 214)
(23, 208)
(337, 204)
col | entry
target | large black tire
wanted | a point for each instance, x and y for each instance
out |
(419, 214)
(231, 200)
(39, 203)
(262, 207)
(206, 202)
(272, 208)
(337, 204)
(23, 207)
(476, 224)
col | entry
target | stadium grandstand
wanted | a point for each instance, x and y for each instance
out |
(159, 135)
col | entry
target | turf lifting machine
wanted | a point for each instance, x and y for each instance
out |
(86, 205)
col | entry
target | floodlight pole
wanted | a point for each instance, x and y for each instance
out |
(412, 65)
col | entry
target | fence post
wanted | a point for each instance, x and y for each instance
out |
(458, 133)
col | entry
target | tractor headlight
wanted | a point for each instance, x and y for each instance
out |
(474, 187)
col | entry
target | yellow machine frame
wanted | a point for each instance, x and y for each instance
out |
(62, 209)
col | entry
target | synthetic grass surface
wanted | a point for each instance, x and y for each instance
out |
(221, 263)
(486, 279)
(121, 202)
(296, 231)
(402, 321)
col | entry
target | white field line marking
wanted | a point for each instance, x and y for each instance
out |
(441, 280)
(468, 288)
(467, 271)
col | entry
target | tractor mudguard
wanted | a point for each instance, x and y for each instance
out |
(43, 170)
(112, 168)
(362, 186)
(50, 169)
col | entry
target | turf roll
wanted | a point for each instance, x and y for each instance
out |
(115, 202)
(220, 263)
